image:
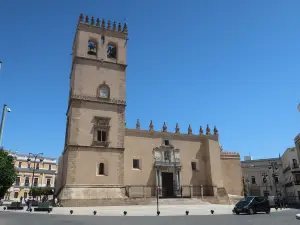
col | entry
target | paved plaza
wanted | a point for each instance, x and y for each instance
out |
(143, 210)
(286, 217)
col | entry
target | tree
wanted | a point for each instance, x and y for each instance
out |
(8, 172)
(245, 189)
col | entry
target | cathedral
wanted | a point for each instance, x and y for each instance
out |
(106, 163)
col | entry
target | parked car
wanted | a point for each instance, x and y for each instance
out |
(251, 205)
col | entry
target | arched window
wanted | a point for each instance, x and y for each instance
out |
(92, 48)
(101, 169)
(103, 91)
(111, 51)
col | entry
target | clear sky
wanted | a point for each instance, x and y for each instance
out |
(233, 63)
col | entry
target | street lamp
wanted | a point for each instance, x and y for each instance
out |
(5, 109)
(34, 158)
(265, 178)
(273, 167)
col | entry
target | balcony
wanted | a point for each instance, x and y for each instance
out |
(29, 170)
(297, 182)
(295, 168)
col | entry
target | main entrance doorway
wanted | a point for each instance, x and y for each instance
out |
(167, 185)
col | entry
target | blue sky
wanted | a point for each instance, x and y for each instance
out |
(234, 64)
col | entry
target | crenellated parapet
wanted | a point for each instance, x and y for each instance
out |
(230, 155)
(177, 131)
(101, 25)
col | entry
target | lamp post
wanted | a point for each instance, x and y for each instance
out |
(247, 184)
(273, 167)
(5, 109)
(265, 178)
(34, 158)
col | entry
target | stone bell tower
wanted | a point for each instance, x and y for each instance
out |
(94, 145)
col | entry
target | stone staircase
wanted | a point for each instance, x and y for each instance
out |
(180, 201)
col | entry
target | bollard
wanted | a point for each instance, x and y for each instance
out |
(49, 210)
(125, 213)
(30, 210)
(187, 212)
(71, 212)
(95, 212)
(4, 208)
(212, 211)
(158, 213)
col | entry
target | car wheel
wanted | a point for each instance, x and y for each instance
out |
(237, 213)
(268, 211)
(251, 211)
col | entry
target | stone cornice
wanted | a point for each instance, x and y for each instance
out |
(173, 136)
(94, 98)
(99, 63)
(230, 155)
(101, 31)
(93, 148)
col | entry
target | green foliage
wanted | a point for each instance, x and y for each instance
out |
(39, 191)
(8, 172)
(245, 189)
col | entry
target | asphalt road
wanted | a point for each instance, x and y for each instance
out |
(284, 217)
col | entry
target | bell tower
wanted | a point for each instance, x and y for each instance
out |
(94, 143)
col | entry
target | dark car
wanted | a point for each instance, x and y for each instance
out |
(251, 205)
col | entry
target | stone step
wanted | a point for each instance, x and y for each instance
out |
(179, 201)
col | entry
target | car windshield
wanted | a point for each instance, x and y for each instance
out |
(245, 201)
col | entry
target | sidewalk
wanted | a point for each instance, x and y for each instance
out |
(146, 210)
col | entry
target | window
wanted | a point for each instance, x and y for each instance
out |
(101, 169)
(111, 51)
(103, 91)
(101, 128)
(253, 180)
(167, 156)
(276, 179)
(48, 184)
(136, 164)
(26, 181)
(92, 48)
(20, 164)
(297, 177)
(101, 135)
(28, 165)
(36, 181)
(194, 165)
(16, 194)
(167, 142)
(37, 166)
(49, 167)
(18, 179)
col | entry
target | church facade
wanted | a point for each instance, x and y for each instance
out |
(104, 162)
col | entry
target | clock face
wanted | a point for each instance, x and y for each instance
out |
(104, 92)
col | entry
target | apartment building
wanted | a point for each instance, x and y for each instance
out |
(273, 176)
(291, 174)
(44, 169)
(262, 177)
